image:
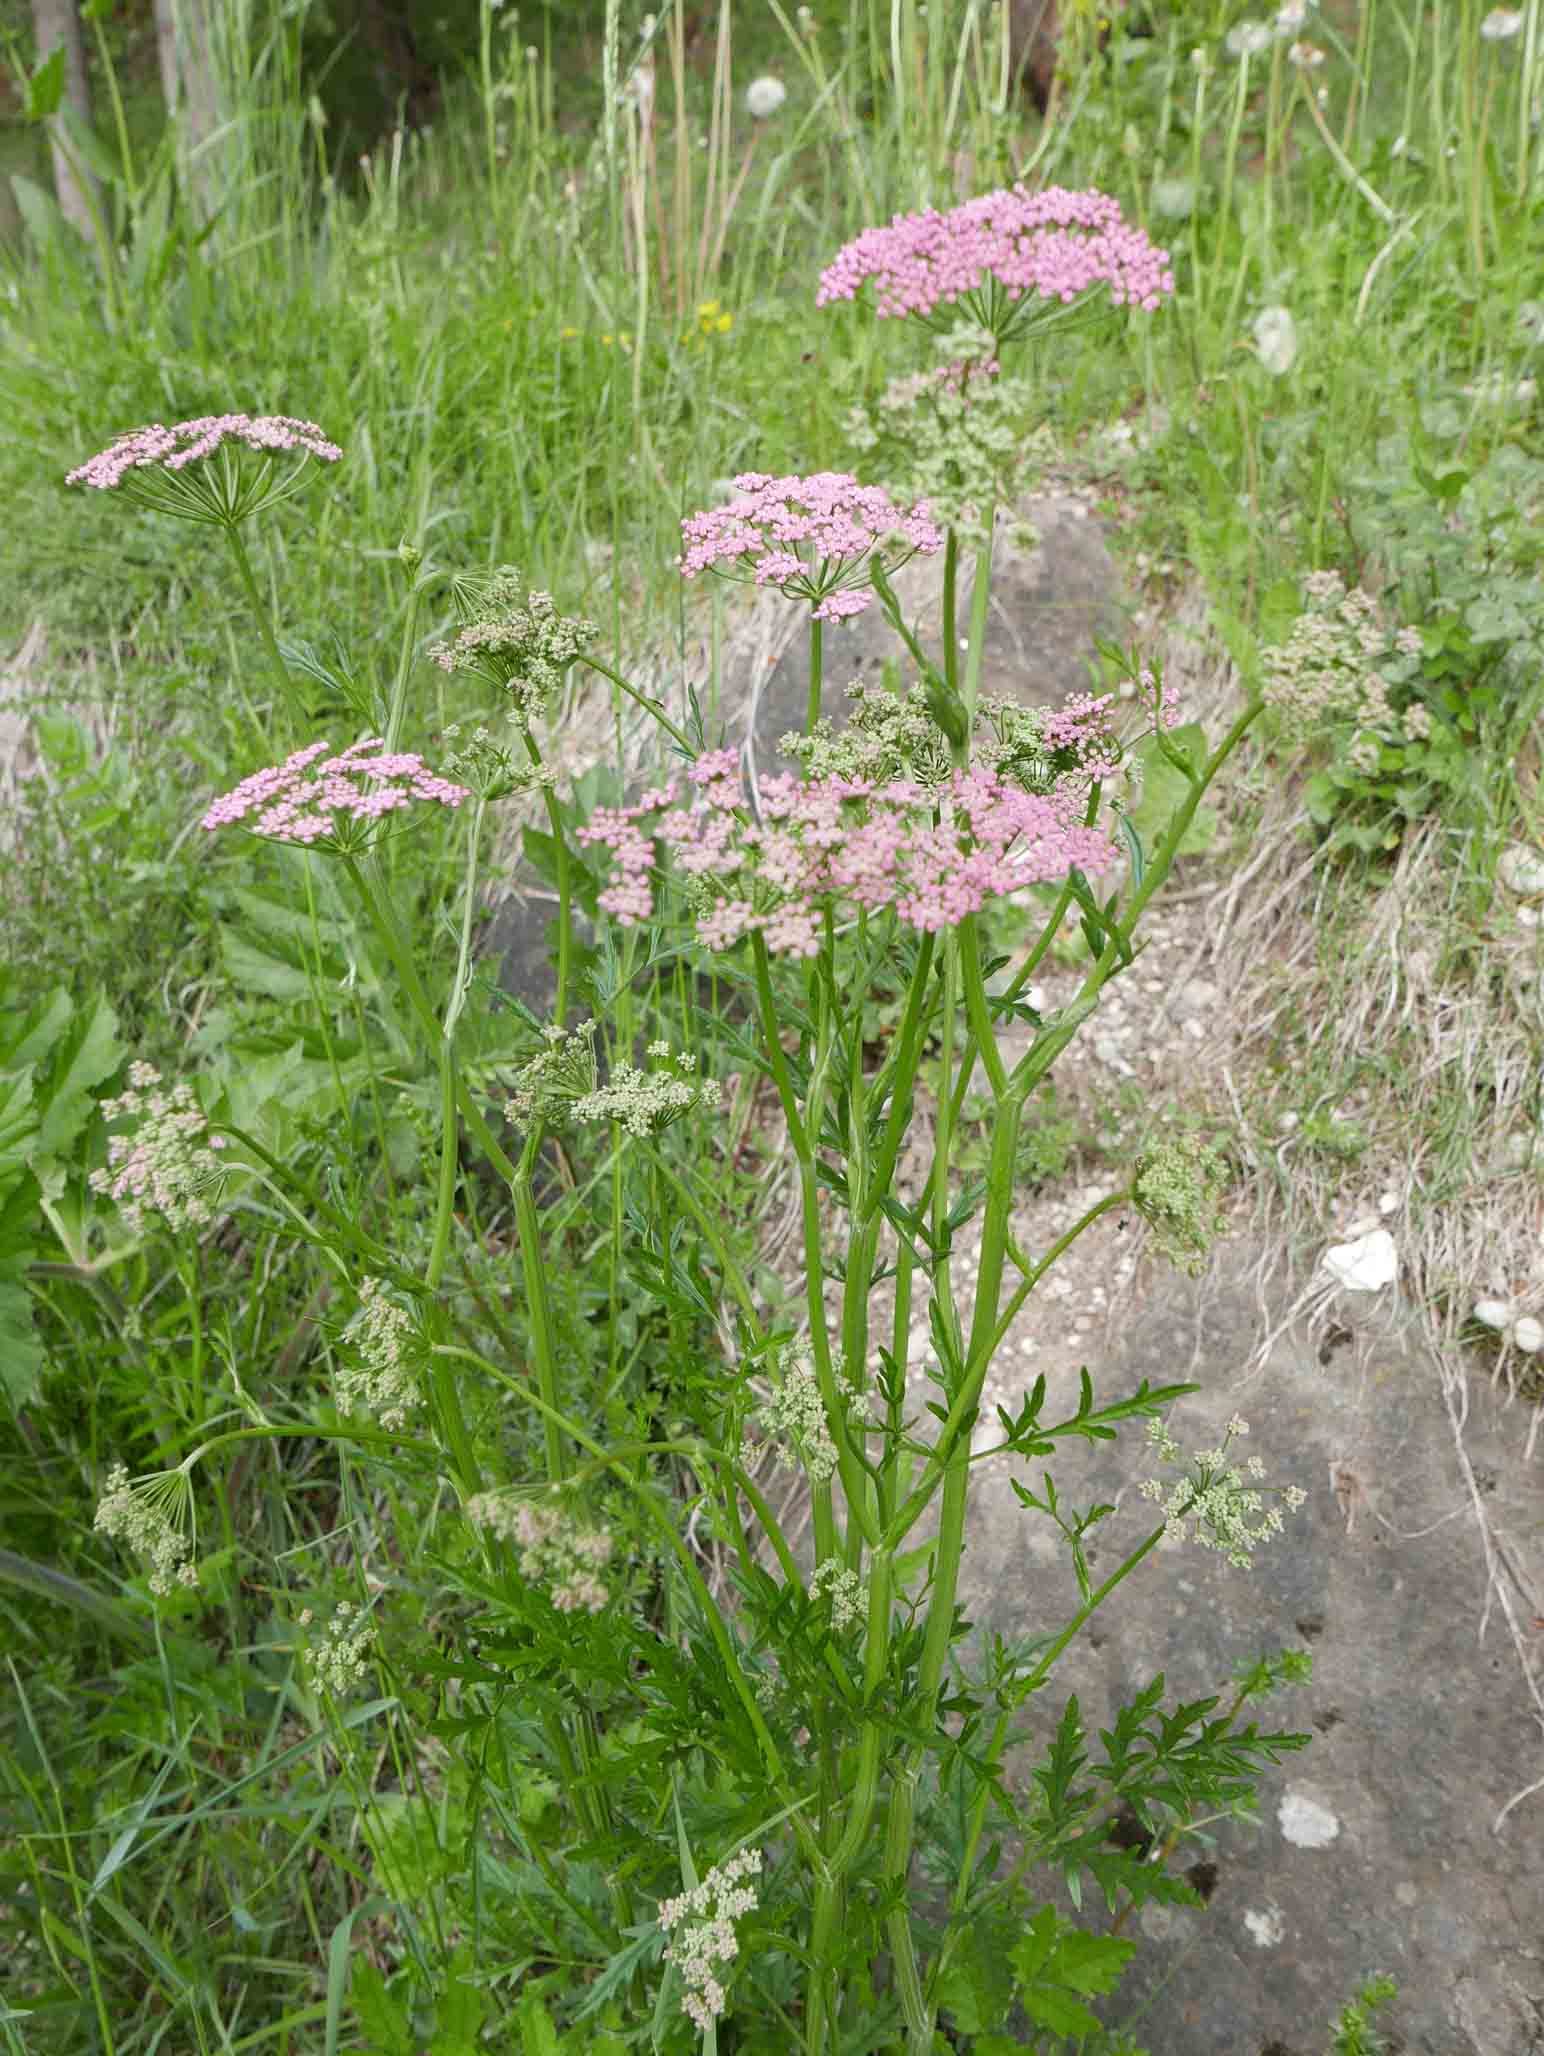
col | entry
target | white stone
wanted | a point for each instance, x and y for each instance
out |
(1389, 1203)
(1528, 1335)
(1521, 870)
(1265, 1929)
(1492, 1313)
(1305, 1822)
(1366, 1264)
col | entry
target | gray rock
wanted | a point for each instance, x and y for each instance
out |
(1375, 1847)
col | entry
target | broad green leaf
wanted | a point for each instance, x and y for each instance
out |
(40, 211)
(45, 88)
(86, 1054)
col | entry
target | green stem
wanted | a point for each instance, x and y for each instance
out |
(951, 640)
(651, 707)
(560, 858)
(287, 687)
(412, 984)
(980, 594)
(954, 1934)
(397, 706)
(817, 646)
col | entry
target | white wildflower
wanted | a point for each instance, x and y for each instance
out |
(1216, 1499)
(1275, 335)
(1501, 24)
(1248, 39)
(795, 1410)
(336, 1660)
(849, 1594)
(383, 1383)
(167, 1163)
(764, 96)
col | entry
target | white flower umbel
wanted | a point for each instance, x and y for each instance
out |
(336, 1660)
(644, 1102)
(555, 1552)
(167, 1164)
(383, 1383)
(849, 1593)
(148, 1515)
(711, 1940)
(1216, 1498)
(1501, 24)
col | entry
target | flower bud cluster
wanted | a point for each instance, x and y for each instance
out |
(1339, 665)
(1176, 1189)
(548, 1087)
(491, 768)
(147, 1516)
(961, 437)
(167, 1165)
(888, 735)
(526, 649)
(711, 1940)
(336, 1660)
(383, 1382)
(1217, 1499)
(555, 1552)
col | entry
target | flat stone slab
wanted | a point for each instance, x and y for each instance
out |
(1377, 1846)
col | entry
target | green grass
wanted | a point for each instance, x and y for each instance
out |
(193, 1847)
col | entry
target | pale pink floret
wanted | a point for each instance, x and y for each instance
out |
(187, 441)
(839, 520)
(1055, 244)
(834, 845)
(294, 802)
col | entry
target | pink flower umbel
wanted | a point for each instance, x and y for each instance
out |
(999, 255)
(332, 804)
(168, 468)
(838, 844)
(839, 521)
